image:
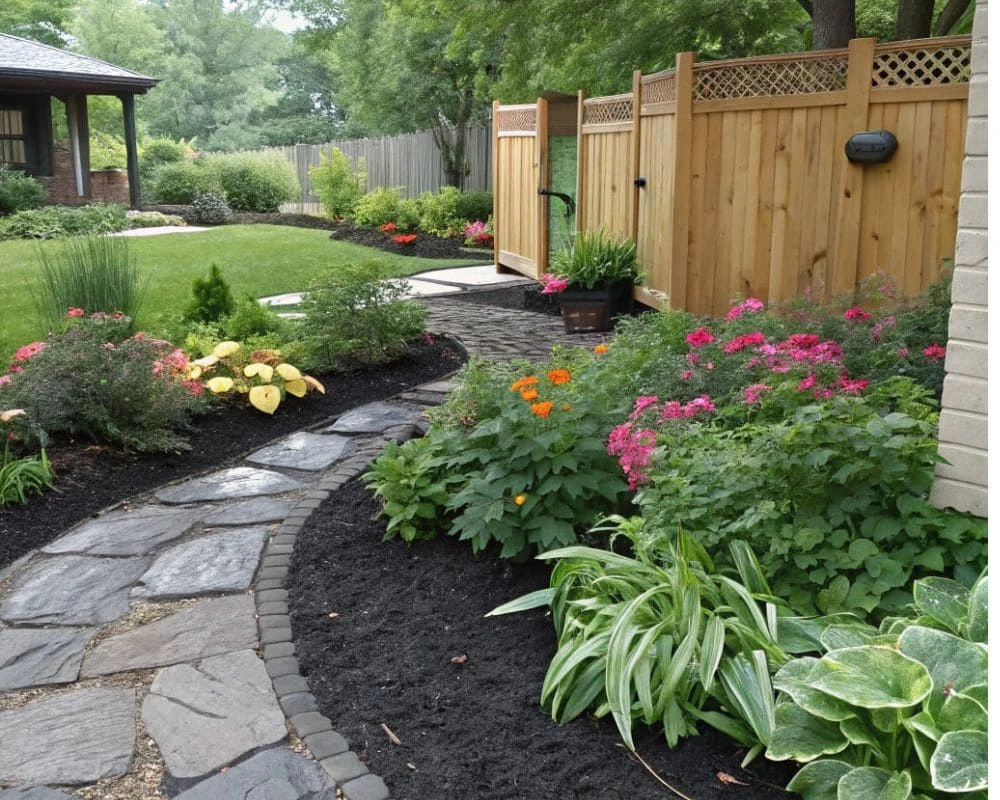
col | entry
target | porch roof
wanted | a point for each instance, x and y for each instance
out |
(28, 66)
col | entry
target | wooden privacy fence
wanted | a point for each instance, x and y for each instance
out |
(410, 160)
(733, 179)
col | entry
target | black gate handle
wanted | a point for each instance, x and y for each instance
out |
(570, 205)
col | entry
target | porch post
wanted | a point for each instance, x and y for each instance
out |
(131, 153)
(79, 142)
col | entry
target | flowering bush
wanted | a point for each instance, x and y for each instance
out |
(479, 233)
(93, 380)
(527, 449)
(261, 375)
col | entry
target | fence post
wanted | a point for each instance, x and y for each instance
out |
(581, 161)
(847, 216)
(683, 123)
(636, 143)
(494, 167)
(542, 205)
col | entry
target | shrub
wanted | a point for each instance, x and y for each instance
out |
(210, 208)
(379, 207)
(474, 205)
(18, 191)
(355, 314)
(336, 184)
(250, 320)
(153, 153)
(256, 183)
(90, 274)
(439, 213)
(93, 382)
(211, 297)
(55, 222)
(179, 183)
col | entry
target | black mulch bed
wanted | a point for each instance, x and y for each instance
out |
(472, 730)
(90, 478)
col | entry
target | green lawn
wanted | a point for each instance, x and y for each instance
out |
(257, 259)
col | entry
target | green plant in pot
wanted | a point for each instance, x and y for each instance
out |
(593, 278)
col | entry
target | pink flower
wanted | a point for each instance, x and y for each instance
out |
(701, 403)
(849, 386)
(751, 304)
(752, 393)
(553, 284)
(693, 359)
(633, 449)
(857, 314)
(195, 388)
(687, 375)
(806, 383)
(742, 342)
(642, 403)
(699, 337)
(29, 351)
(710, 366)
(75, 312)
(5, 379)
(935, 352)
(903, 352)
(672, 410)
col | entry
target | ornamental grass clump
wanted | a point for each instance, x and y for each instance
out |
(595, 260)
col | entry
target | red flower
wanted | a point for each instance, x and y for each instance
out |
(857, 314)
(405, 238)
(389, 227)
(935, 351)
(699, 337)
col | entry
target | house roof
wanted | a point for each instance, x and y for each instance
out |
(34, 67)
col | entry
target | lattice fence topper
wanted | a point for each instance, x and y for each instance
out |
(607, 110)
(922, 67)
(659, 88)
(516, 118)
(770, 78)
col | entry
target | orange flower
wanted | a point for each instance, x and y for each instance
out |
(567, 407)
(519, 499)
(529, 394)
(531, 380)
(541, 409)
(559, 376)
(601, 349)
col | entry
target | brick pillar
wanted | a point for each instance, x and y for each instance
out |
(962, 483)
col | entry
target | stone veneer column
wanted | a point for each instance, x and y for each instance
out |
(962, 484)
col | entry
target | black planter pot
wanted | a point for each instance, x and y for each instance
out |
(591, 310)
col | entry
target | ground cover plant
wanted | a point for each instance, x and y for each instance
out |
(789, 453)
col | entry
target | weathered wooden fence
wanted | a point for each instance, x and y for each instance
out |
(410, 160)
(733, 179)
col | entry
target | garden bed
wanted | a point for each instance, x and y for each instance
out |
(405, 615)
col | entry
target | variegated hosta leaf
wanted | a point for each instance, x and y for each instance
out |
(205, 362)
(818, 779)
(265, 398)
(953, 663)
(945, 601)
(193, 372)
(296, 387)
(794, 680)
(962, 713)
(312, 383)
(976, 625)
(959, 763)
(263, 371)
(220, 385)
(288, 372)
(799, 736)
(872, 677)
(226, 349)
(798, 635)
(873, 783)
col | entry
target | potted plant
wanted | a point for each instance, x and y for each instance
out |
(593, 278)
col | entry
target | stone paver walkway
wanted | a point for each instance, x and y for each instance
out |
(157, 634)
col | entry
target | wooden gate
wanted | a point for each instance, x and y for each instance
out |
(520, 223)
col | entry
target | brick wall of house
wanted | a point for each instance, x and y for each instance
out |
(962, 483)
(109, 185)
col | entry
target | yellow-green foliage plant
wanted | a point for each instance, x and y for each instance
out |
(261, 375)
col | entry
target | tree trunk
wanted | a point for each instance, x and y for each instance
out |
(913, 19)
(950, 14)
(833, 23)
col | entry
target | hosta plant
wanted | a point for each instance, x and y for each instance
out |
(893, 713)
(20, 477)
(261, 375)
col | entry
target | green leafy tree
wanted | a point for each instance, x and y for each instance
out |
(41, 20)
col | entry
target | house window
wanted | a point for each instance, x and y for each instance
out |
(12, 137)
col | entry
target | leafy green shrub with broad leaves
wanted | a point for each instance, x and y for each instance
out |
(57, 222)
(95, 381)
(179, 183)
(89, 274)
(153, 153)
(896, 712)
(253, 182)
(211, 208)
(380, 207)
(474, 205)
(337, 185)
(832, 497)
(18, 191)
(356, 314)
(439, 212)
(211, 297)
